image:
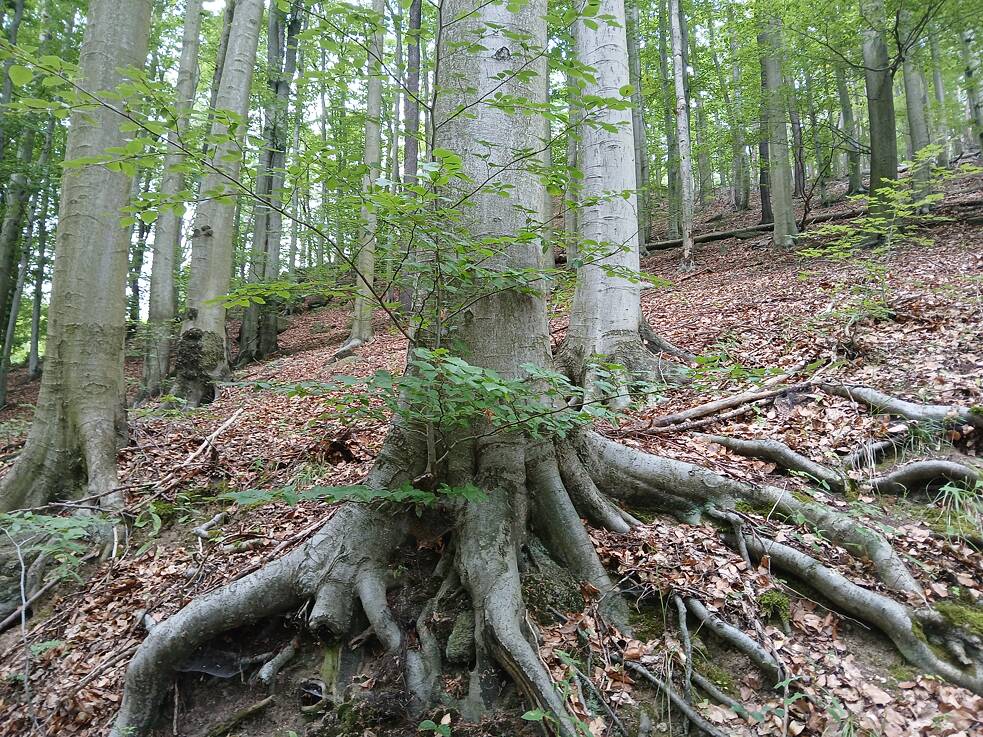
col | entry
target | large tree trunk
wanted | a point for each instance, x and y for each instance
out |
(365, 297)
(879, 79)
(79, 411)
(687, 263)
(162, 307)
(606, 315)
(779, 173)
(202, 351)
(971, 73)
(850, 133)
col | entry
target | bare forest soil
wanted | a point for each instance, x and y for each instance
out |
(910, 327)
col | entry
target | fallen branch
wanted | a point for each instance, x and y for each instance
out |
(710, 688)
(922, 473)
(720, 235)
(717, 405)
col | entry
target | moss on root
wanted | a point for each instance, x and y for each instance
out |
(720, 677)
(776, 605)
(969, 618)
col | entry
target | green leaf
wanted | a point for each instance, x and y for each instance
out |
(536, 715)
(20, 75)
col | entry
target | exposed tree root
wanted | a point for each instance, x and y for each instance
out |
(678, 701)
(919, 474)
(783, 456)
(712, 408)
(348, 349)
(657, 343)
(743, 642)
(871, 454)
(943, 414)
(711, 690)
(910, 630)
(681, 488)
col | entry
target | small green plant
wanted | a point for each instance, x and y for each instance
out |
(961, 508)
(443, 729)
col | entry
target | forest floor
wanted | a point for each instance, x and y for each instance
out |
(908, 323)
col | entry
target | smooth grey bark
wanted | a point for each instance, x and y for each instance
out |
(916, 109)
(878, 77)
(687, 262)
(138, 250)
(606, 315)
(202, 351)
(6, 89)
(851, 134)
(365, 298)
(971, 75)
(572, 194)
(638, 125)
(80, 405)
(779, 172)
(668, 123)
(941, 133)
(162, 300)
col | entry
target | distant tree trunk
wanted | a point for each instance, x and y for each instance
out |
(880, 98)
(669, 126)
(361, 332)
(6, 89)
(822, 155)
(79, 413)
(764, 175)
(938, 87)
(572, 195)
(202, 352)
(850, 133)
(742, 176)
(798, 145)
(638, 122)
(295, 194)
(411, 132)
(34, 354)
(18, 194)
(682, 135)
(916, 107)
(138, 251)
(971, 72)
(394, 129)
(780, 176)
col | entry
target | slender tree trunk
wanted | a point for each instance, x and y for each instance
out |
(361, 331)
(850, 133)
(18, 194)
(764, 165)
(971, 73)
(880, 98)
(798, 144)
(938, 87)
(779, 173)
(669, 126)
(572, 196)
(411, 133)
(138, 251)
(295, 192)
(741, 176)
(823, 159)
(80, 405)
(638, 122)
(916, 108)
(202, 351)
(34, 354)
(6, 89)
(682, 135)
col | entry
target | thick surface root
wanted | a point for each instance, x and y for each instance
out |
(908, 629)
(783, 456)
(919, 474)
(942, 414)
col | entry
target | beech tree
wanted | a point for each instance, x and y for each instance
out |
(79, 415)
(779, 172)
(202, 350)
